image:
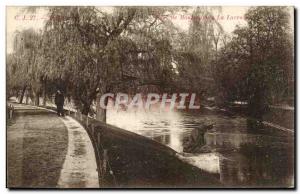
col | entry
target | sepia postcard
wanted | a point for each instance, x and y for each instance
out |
(150, 97)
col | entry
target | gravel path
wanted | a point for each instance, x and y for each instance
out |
(80, 168)
(46, 151)
(36, 149)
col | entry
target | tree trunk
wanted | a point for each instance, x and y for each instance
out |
(85, 109)
(26, 96)
(27, 99)
(36, 98)
(100, 112)
(37, 102)
(44, 94)
(22, 94)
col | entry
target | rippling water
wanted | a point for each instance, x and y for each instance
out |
(252, 165)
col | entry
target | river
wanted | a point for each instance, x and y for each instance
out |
(259, 159)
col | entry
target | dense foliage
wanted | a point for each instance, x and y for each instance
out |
(87, 51)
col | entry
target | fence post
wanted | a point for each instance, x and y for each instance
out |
(215, 139)
(81, 116)
(104, 160)
(98, 138)
(92, 128)
(11, 112)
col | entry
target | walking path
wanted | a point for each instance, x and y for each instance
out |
(46, 151)
(80, 168)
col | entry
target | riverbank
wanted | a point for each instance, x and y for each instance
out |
(126, 159)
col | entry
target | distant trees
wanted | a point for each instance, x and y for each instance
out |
(24, 64)
(197, 51)
(257, 64)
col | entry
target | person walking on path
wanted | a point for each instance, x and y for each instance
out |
(59, 101)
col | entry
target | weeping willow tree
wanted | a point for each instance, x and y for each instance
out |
(13, 85)
(24, 65)
(90, 52)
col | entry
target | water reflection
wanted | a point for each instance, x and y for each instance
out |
(165, 128)
(262, 160)
(258, 166)
(209, 162)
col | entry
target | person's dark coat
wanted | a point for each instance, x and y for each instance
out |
(59, 99)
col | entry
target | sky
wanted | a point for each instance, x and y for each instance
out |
(229, 18)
